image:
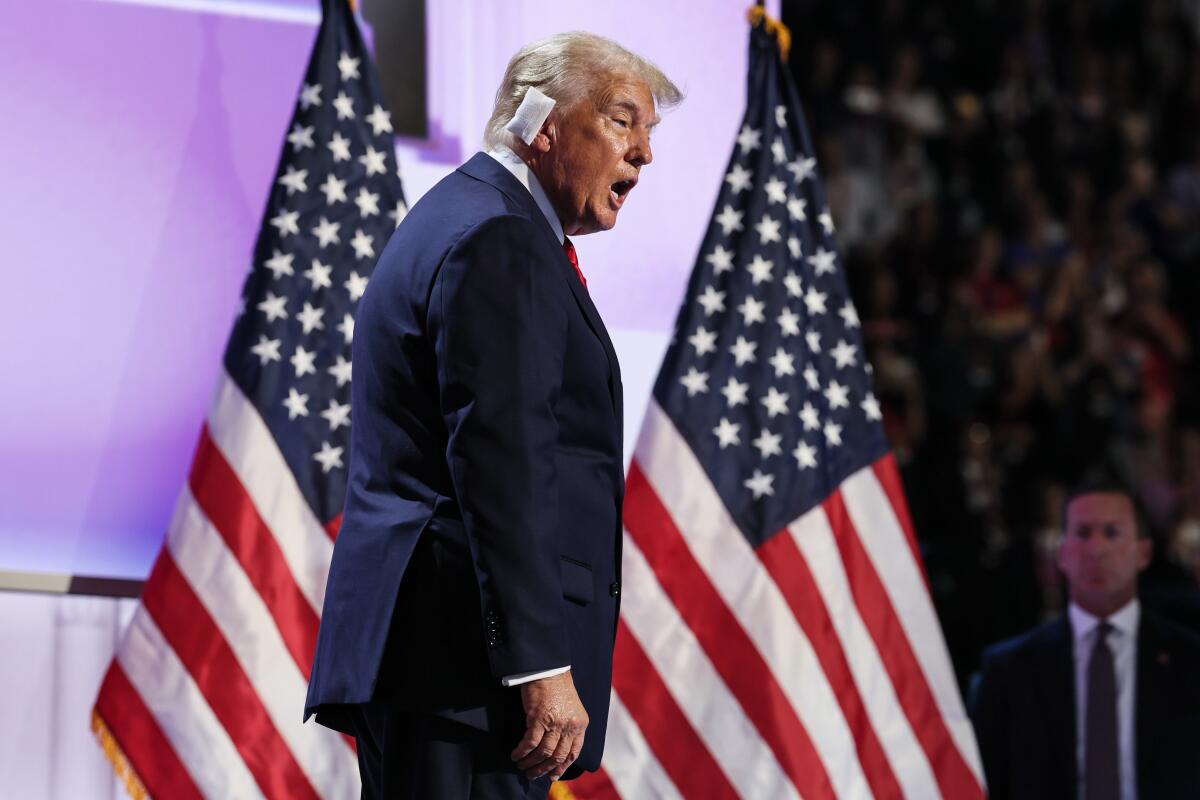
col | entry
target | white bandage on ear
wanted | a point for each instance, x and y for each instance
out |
(534, 109)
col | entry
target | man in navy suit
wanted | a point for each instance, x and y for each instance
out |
(1103, 704)
(471, 609)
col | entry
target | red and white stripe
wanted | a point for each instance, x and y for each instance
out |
(812, 666)
(212, 674)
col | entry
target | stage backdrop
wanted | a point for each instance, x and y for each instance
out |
(140, 138)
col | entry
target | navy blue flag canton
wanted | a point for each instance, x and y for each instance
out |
(336, 200)
(766, 377)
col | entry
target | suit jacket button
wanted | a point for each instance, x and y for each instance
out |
(614, 588)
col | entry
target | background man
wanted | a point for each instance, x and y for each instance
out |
(480, 546)
(1104, 703)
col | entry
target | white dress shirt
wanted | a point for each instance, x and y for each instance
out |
(1122, 640)
(520, 170)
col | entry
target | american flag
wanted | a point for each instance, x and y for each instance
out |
(777, 637)
(206, 692)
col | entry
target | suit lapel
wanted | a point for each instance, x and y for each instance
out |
(485, 168)
(1056, 693)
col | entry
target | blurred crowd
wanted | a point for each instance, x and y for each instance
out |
(1016, 187)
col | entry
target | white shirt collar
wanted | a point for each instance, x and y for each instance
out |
(521, 171)
(1125, 620)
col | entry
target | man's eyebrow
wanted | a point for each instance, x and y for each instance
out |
(632, 108)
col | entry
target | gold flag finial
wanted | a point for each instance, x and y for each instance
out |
(783, 37)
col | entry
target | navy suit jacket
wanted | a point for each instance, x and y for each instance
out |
(1024, 713)
(482, 529)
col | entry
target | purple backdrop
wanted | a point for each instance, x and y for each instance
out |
(138, 146)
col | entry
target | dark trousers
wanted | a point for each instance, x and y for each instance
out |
(405, 755)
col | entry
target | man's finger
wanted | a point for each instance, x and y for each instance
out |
(562, 756)
(541, 753)
(531, 739)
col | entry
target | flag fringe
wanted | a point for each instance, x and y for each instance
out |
(116, 757)
(783, 35)
(559, 791)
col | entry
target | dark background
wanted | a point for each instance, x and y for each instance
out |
(1016, 187)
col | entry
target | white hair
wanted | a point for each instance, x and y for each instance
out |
(570, 67)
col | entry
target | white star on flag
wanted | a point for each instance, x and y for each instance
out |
(296, 404)
(806, 455)
(776, 190)
(768, 230)
(346, 328)
(310, 318)
(802, 168)
(823, 261)
(837, 395)
(327, 232)
(695, 381)
(783, 362)
(337, 415)
(727, 433)
(833, 434)
(355, 284)
(310, 96)
(844, 354)
(348, 67)
(340, 147)
(712, 300)
(778, 150)
(340, 371)
(344, 105)
(301, 136)
(374, 160)
(752, 310)
(380, 120)
(760, 484)
(810, 417)
(721, 259)
(704, 341)
(266, 350)
(739, 178)
(743, 351)
(303, 361)
(319, 275)
(280, 263)
(334, 189)
(273, 307)
(749, 139)
(329, 457)
(363, 244)
(849, 315)
(287, 222)
(870, 407)
(767, 444)
(729, 219)
(789, 322)
(367, 202)
(815, 301)
(735, 392)
(760, 268)
(775, 402)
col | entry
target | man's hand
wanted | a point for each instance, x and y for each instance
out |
(554, 725)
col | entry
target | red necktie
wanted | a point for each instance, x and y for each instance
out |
(570, 250)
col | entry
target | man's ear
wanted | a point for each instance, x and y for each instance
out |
(1145, 552)
(547, 135)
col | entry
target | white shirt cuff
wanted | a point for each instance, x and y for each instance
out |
(526, 677)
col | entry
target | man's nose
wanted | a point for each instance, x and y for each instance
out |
(640, 154)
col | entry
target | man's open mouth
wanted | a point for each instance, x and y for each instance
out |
(620, 189)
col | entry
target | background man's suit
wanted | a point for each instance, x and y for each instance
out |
(485, 471)
(1024, 714)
